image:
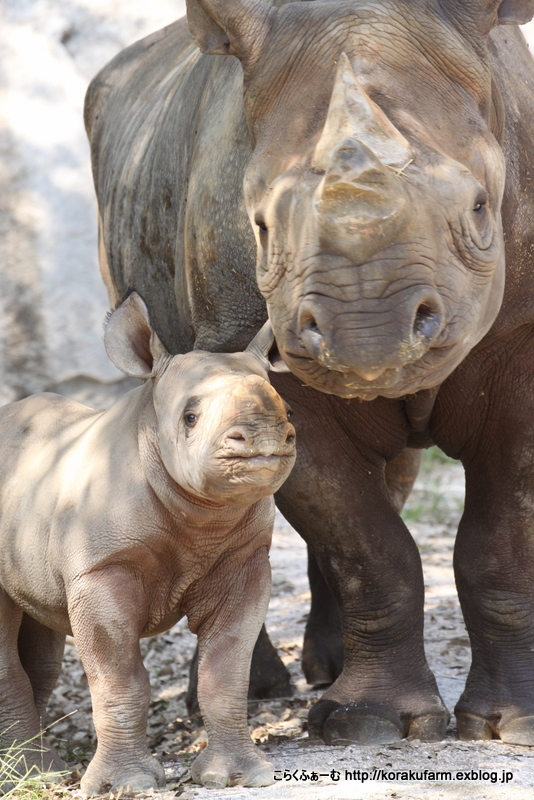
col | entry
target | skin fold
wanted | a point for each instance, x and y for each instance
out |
(361, 168)
(115, 524)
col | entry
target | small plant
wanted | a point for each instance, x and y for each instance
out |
(23, 781)
(20, 780)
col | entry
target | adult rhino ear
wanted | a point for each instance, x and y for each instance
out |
(130, 341)
(263, 348)
(486, 14)
(515, 12)
(229, 27)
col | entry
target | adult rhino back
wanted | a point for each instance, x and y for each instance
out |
(169, 144)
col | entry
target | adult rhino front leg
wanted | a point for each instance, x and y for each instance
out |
(494, 552)
(337, 498)
(322, 653)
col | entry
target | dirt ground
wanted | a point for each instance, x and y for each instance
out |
(307, 769)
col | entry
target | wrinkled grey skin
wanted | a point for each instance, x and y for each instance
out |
(366, 143)
(115, 524)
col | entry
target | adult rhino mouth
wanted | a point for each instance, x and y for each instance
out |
(431, 369)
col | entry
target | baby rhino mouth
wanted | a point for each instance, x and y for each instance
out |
(243, 450)
(258, 462)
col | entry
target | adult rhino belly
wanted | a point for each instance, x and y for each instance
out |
(169, 144)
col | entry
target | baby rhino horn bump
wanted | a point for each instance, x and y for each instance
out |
(353, 114)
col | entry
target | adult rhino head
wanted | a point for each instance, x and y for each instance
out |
(376, 181)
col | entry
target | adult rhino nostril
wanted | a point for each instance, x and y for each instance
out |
(427, 322)
(311, 336)
(312, 326)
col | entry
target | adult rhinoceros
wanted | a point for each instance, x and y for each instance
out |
(371, 144)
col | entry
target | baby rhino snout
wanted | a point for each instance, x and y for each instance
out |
(249, 440)
(261, 426)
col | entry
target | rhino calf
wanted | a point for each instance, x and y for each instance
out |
(115, 524)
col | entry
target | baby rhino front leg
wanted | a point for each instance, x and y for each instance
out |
(106, 610)
(232, 611)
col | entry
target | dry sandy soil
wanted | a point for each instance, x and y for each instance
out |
(279, 727)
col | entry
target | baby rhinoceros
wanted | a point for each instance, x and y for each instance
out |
(115, 524)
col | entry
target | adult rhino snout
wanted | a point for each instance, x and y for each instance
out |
(356, 343)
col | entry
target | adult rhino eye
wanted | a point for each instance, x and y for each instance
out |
(190, 419)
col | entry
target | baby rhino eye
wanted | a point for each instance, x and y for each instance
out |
(480, 203)
(190, 419)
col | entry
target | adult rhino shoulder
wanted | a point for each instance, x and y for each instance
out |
(167, 124)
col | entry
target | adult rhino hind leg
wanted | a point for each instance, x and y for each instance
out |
(322, 654)
(401, 473)
(322, 651)
(494, 552)
(269, 677)
(386, 690)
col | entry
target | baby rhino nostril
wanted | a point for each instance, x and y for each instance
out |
(237, 436)
(427, 322)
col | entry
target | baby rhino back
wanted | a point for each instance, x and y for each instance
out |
(37, 436)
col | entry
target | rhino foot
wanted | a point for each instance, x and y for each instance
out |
(519, 730)
(492, 709)
(368, 723)
(101, 778)
(215, 770)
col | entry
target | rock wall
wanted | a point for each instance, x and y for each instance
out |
(52, 300)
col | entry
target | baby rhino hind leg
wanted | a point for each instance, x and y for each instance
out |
(20, 727)
(41, 653)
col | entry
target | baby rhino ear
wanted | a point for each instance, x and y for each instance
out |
(130, 341)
